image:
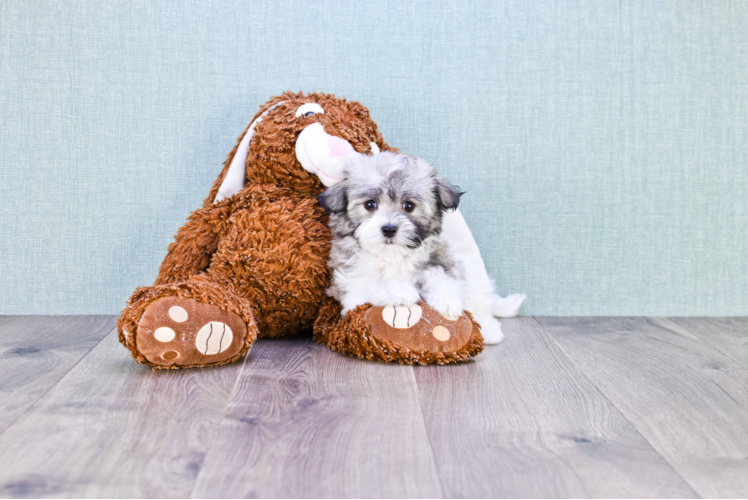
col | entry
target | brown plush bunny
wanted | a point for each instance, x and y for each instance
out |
(252, 261)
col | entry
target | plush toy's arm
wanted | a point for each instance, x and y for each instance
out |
(479, 287)
(194, 245)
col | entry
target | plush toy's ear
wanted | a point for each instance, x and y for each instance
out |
(334, 199)
(447, 194)
(234, 174)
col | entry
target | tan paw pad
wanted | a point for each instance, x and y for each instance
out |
(182, 331)
(427, 331)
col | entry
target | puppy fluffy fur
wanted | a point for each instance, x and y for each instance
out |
(386, 220)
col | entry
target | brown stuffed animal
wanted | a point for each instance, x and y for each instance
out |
(252, 261)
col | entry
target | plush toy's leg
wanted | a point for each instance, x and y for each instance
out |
(407, 335)
(198, 322)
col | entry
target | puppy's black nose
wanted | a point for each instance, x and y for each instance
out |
(389, 230)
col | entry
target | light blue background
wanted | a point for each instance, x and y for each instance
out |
(603, 144)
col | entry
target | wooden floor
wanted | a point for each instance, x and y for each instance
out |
(565, 407)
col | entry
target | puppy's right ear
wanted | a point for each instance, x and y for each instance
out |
(334, 199)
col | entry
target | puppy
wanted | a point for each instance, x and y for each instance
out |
(386, 219)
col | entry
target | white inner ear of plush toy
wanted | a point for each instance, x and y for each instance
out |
(322, 154)
(235, 177)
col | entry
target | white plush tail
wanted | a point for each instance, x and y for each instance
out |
(507, 307)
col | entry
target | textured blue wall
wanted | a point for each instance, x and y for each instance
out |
(603, 145)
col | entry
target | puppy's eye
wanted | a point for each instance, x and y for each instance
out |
(309, 109)
(409, 206)
(370, 205)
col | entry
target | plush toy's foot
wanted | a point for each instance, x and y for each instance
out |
(176, 326)
(178, 331)
(406, 335)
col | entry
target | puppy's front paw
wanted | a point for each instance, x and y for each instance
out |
(447, 304)
(406, 298)
(396, 294)
(350, 303)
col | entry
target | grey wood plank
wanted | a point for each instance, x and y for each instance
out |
(37, 351)
(111, 428)
(727, 335)
(689, 400)
(523, 421)
(307, 422)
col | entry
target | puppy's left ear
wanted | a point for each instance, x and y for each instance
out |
(447, 195)
(334, 199)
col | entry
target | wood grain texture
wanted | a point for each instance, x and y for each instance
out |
(689, 400)
(37, 351)
(523, 421)
(727, 335)
(304, 421)
(111, 428)
(525, 418)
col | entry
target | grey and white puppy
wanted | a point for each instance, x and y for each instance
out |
(387, 250)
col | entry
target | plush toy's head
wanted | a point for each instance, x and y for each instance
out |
(299, 142)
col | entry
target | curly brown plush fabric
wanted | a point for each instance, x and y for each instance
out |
(254, 265)
(272, 158)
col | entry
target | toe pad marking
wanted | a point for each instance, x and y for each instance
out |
(441, 333)
(213, 338)
(178, 314)
(402, 317)
(164, 334)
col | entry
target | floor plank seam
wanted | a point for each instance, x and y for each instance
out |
(428, 434)
(619, 410)
(652, 320)
(32, 405)
(222, 421)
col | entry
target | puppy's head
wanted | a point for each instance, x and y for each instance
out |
(389, 202)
